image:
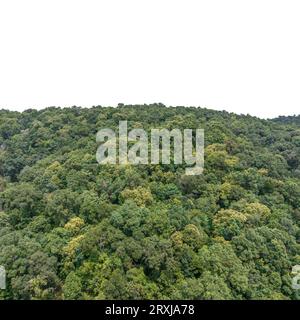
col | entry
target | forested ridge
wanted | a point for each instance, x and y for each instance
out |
(72, 229)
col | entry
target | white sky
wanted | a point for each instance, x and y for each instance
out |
(235, 55)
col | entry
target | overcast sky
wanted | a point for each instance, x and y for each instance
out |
(235, 55)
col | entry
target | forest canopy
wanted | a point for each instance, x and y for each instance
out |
(72, 229)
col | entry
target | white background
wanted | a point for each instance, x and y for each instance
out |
(237, 55)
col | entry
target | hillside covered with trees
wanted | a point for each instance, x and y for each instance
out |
(72, 229)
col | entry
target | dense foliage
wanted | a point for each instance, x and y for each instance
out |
(72, 229)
